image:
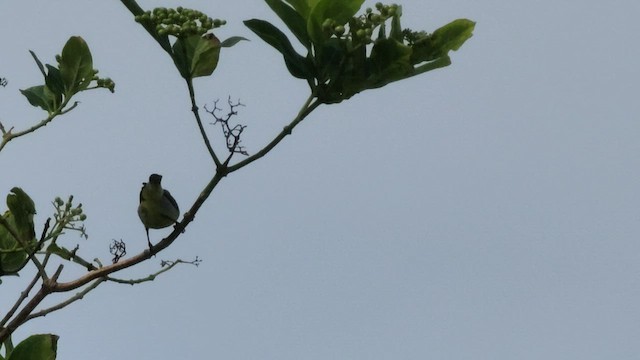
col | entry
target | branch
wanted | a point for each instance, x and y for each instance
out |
(167, 265)
(23, 296)
(146, 254)
(76, 297)
(8, 135)
(306, 109)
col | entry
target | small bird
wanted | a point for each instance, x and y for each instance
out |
(157, 209)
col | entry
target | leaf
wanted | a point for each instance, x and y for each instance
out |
(54, 80)
(338, 10)
(297, 65)
(196, 55)
(38, 62)
(302, 7)
(294, 21)
(40, 96)
(60, 251)
(390, 61)
(205, 56)
(36, 347)
(232, 41)
(13, 258)
(447, 38)
(76, 65)
(453, 35)
(23, 210)
(396, 28)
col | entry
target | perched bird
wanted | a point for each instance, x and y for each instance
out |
(157, 209)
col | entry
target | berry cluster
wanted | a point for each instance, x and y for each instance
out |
(179, 22)
(361, 28)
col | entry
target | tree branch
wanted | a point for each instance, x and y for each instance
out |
(8, 135)
(167, 265)
(76, 297)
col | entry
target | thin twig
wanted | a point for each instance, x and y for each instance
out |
(8, 136)
(69, 301)
(168, 265)
(23, 295)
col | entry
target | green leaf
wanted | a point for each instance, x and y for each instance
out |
(60, 251)
(76, 65)
(54, 80)
(13, 256)
(298, 65)
(38, 62)
(232, 41)
(390, 61)
(341, 11)
(396, 28)
(447, 38)
(196, 55)
(302, 7)
(294, 21)
(36, 347)
(205, 56)
(453, 35)
(40, 96)
(23, 210)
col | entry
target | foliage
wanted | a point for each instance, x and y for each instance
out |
(345, 54)
(35, 347)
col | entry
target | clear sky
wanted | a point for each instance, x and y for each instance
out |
(488, 210)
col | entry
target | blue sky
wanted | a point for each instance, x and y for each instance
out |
(488, 210)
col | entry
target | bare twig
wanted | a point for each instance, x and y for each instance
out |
(23, 295)
(167, 265)
(231, 134)
(8, 135)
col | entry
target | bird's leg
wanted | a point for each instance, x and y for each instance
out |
(148, 240)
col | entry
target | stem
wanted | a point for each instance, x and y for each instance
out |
(196, 114)
(8, 136)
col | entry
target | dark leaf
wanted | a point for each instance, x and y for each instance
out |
(298, 65)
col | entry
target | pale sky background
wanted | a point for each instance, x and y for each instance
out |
(488, 210)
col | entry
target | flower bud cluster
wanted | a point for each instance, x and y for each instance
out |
(179, 22)
(361, 28)
(413, 37)
(106, 83)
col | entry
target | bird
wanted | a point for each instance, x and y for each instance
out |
(157, 209)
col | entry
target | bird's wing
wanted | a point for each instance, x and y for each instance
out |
(141, 190)
(167, 195)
